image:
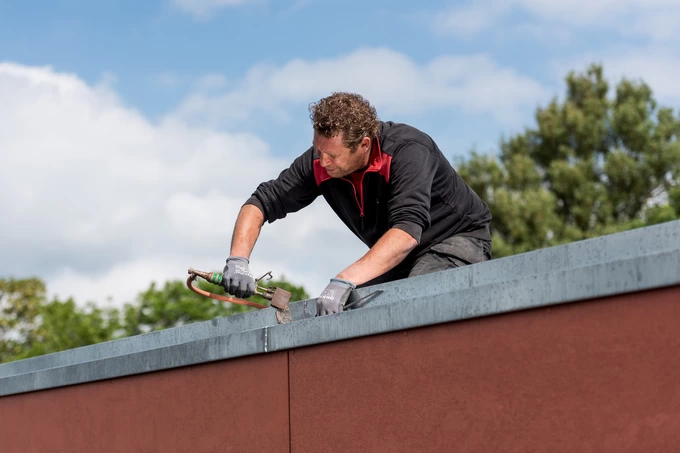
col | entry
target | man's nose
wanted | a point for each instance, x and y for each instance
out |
(324, 160)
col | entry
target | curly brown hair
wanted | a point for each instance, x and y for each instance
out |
(346, 113)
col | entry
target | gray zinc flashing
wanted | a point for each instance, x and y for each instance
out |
(599, 267)
(152, 340)
(156, 340)
(628, 244)
(200, 351)
(637, 242)
(554, 288)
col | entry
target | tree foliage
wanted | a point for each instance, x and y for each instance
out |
(64, 325)
(20, 304)
(592, 165)
(31, 325)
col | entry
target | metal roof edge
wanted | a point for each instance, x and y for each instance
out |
(630, 243)
(639, 273)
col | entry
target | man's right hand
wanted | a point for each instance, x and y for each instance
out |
(237, 279)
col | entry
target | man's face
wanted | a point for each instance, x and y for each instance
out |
(337, 159)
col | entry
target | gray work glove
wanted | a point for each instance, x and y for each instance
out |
(237, 279)
(334, 296)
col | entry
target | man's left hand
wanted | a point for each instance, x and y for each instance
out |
(334, 296)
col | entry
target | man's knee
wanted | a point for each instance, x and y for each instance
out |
(453, 252)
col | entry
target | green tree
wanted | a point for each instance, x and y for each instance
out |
(174, 305)
(593, 165)
(63, 325)
(32, 326)
(20, 305)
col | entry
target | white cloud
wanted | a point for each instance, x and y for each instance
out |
(654, 19)
(204, 8)
(392, 81)
(298, 5)
(466, 21)
(555, 34)
(656, 66)
(99, 201)
(210, 82)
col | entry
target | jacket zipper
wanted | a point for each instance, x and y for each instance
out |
(377, 212)
(360, 205)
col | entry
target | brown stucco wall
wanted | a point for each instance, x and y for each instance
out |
(230, 406)
(598, 376)
(601, 376)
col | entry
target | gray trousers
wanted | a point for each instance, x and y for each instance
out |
(452, 252)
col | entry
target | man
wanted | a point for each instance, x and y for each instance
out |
(392, 187)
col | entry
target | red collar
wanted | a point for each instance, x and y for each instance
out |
(374, 161)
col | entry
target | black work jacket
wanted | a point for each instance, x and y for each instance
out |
(409, 184)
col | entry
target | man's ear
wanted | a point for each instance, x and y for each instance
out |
(365, 143)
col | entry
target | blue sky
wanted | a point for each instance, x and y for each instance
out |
(155, 52)
(165, 107)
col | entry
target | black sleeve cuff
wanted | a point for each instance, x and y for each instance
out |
(413, 229)
(253, 200)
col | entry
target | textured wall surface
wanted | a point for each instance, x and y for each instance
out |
(238, 405)
(597, 376)
(593, 376)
